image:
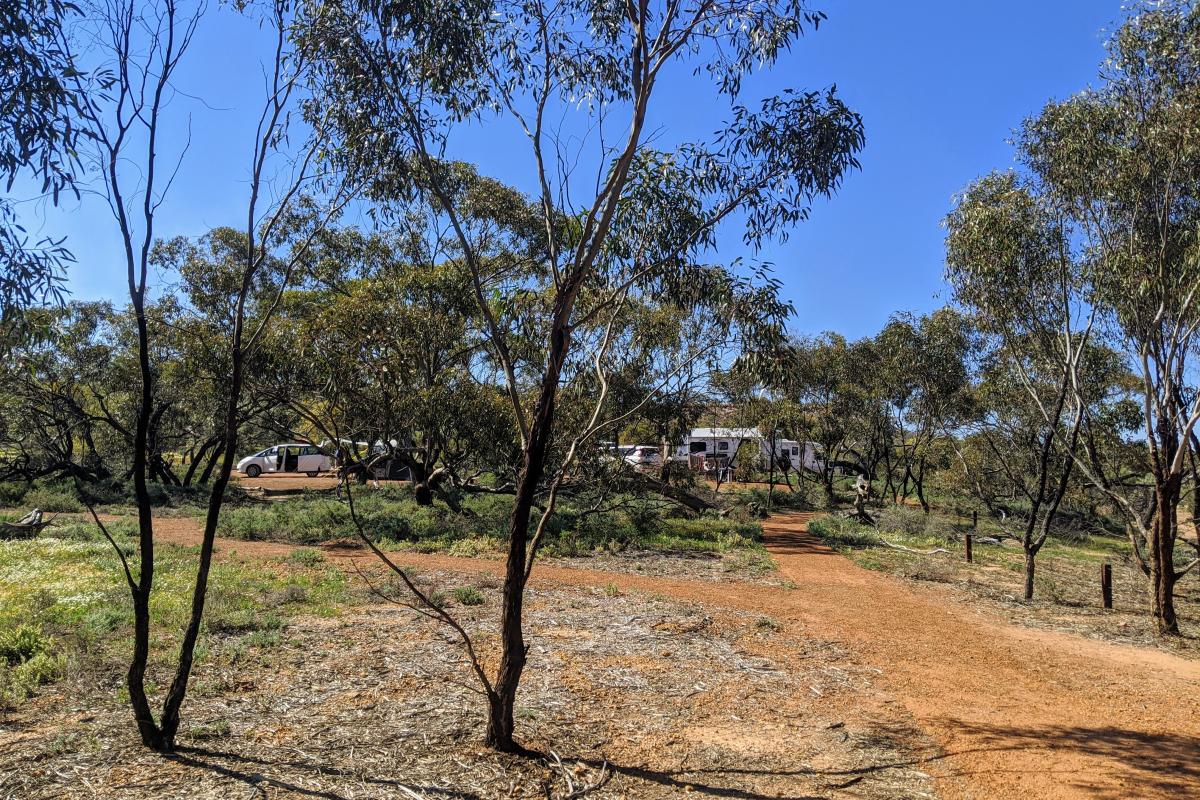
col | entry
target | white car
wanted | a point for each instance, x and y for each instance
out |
(643, 457)
(285, 458)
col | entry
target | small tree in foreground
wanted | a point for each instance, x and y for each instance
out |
(400, 79)
(145, 44)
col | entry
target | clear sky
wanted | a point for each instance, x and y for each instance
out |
(940, 84)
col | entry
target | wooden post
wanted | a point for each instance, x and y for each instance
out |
(974, 520)
(1106, 584)
(969, 540)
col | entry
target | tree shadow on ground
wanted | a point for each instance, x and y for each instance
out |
(1157, 764)
(219, 762)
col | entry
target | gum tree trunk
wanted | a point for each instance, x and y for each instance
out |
(500, 726)
(1162, 558)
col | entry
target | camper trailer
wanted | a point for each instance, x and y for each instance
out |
(708, 449)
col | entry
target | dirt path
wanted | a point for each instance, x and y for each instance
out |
(1019, 713)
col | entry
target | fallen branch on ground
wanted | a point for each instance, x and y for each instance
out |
(894, 546)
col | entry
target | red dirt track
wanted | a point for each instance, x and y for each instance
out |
(1018, 713)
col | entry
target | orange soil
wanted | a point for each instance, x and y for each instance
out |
(1019, 713)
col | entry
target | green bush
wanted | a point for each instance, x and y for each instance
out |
(22, 643)
(306, 557)
(19, 682)
(782, 498)
(910, 521)
(57, 498)
(902, 519)
(26, 662)
(838, 531)
(13, 494)
(468, 596)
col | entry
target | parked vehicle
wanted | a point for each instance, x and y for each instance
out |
(643, 457)
(284, 458)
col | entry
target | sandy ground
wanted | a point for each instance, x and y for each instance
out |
(1017, 713)
(287, 481)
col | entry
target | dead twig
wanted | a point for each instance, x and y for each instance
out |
(572, 791)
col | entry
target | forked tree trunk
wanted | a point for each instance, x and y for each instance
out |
(136, 677)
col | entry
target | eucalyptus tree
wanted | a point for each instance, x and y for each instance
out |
(920, 375)
(399, 80)
(38, 137)
(1010, 260)
(1116, 169)
(391, 356)
(829, 378)
(63, 397)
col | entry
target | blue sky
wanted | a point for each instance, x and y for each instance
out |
(940, 85)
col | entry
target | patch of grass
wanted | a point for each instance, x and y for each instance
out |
(62, 496)
(926, 570)
(840, 532)
(468, 596)
(216, 729)
(756, 562)
(612, 590)
(71, 594)
(27, 661)
(393, 519)
(768, 624)
(306, 557)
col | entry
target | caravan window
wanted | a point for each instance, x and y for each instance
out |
(722, 445)
(795, 451)
(698, 447)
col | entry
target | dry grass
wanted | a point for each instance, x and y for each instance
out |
(377, 703)
(1066, 587)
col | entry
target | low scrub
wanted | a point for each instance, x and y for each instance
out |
(27, 660)
(390, 516)
(806, 497)
(63, 602)
(63, 497)
(907, 521)
(839, 531)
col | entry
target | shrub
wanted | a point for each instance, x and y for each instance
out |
(53, 497)
(933, 571)
(902, 519)
(19, 682)
(12, 494)
(22, 643)
(306, 557)
(781, 499)
(768, 624)
(26, 662)
(838, 531)
(468, 596)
